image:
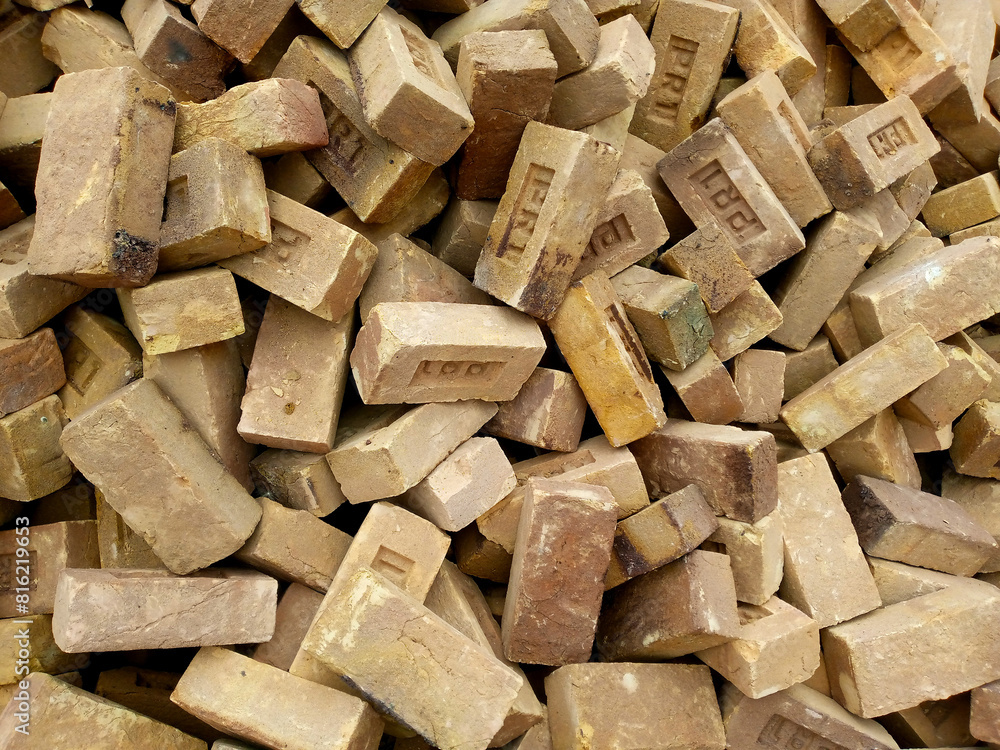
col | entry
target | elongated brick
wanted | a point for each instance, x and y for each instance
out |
(29, 70)
(555, 193)
(120, 546)
(109, 205)
(187, 506)
(962, 206)
(985, 712)
(964, 29)
(744, 321)
(642, 158)
(295, 177)
(548, 412)
(217, 19)
(416, 352)
(32, 463)
(578, 520)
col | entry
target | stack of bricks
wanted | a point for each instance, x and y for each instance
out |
(464, 374)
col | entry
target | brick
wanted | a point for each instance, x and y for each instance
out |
(507, 78)
(114, 240)
(470, 481)
(943, 398)
(985, 712)
(405, 272)
(376, 177)
(172, 312)
(594, 462)
(396, 69)
(176, 49)
(187, 506)
(534, 245)
(692, 40)
(977, 497)
(819, 277)
(884, 214)
(798, 714)
(942, 723)
(29, 70)
(617, 77)
(39, 650)
(51, 549)
(271, 706)
(864, 22)
(10, 211)
(967, 34)
(706, 171)
(569, 25)
(976, 450)
(964, 205)
(925, 439)
(548, 412)
(669, 706)
(982, 359)
(872, 151)
(602, 349)
(298, 480)
(978, 143)
(895, 366)
(826, 576)
(951, 167)
(462, 233)
(32, 463)
(659, 534)
(296, 608)
(343, 22)
(743, 322)
(756, 553)
(218, 20)
(914, 190)
(667, 314)
(101, 356)
(100, 610)
(478, 556)
(628, 228)
(32, 369)
(119, 545)
(59, 711)
(874, 663)
(877, 448)
(707, 390)
(381, 452)
(216, 206)
(804, 368)
(266, 118)
(684, 607)
(294, 176)
(463, 705)
(808, 22)
(22, 127)
(642, 157)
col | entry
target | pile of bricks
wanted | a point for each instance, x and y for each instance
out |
(548, 374)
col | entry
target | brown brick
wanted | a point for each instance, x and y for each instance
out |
(755, 550)
(216, 206)
(913, 190)
(944, 723)
(686, 606)
(480, 557)
(825, 572)
(114, 239)
(295, 612)
(219, 20)
(32, 463)
(298, 480)
(666, 530)
(707, 390)
(343, 22)
(187, 506)
(978, 498)
(30, 369)
(667, 705)
(976, 450)
(535, 244)
(28, 70)
(759, 376)
(547, 412)
(803, 369)
(462, 233)
(294, 176)
(950, 166)
(109, 610)
(877, 448)
(119, 545)
(693, 42)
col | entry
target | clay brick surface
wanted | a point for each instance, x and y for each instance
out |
(943, 398)
(343, 22)
(462, 233)
(707, 390)
(757, 554)
(217, 18)
(32, 462)
(547, 412)
(877, 448)
(978, 499)
(295, 612)
(759, 376)
(119, 545)
(962, 206)
(30, 369)
(298, 480)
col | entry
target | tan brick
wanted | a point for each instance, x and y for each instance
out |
(187, 506)
(298, 480)
(294, 176)
(944, 723)
(804, 368)
(950, 166)
(943, 398)
(396, 69)
(978, 143)
(547, 412)
(77, 501)
(569, 25)
(759, 376)
(341, 21)
(58, 711)
(22, 126)
(32, 368)
(266, 118)
(692, 40)
(50, 549)
(797, 714)
(864, 22)
(825, 571)
(876, 448)
(743, 322)
(686, 606)
(667, 314)
(376, 177)
(176, 49)
(37, 649)
(594, 462)
(478, 556)
(534, 244)
(216, 206)
(963, 205)
(977, 497)
(628, 228)
(981, 358)
(612, 130)
(462, 233)
(659, 534)
(984, 721)
(976, 450)
(183, 310)
(706, 172)
(115, 610)
(809, 24)
(271, 706)
(966, 32)
(470, 481)
(507, 79)
(876, 662)
(29, 70)
(667, 705)
(382, 451)
(119, 545)
(220, 21)
(463, 705)
(707, 390)
(642, 157)
(10, 211)
(27, 301)
(114, 239)
(295, 612)
(914, 190)
(755, 550)
(32, 463)
(925, 439)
